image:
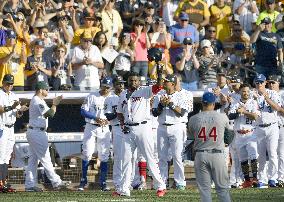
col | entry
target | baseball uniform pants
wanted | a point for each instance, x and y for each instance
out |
(281, 154)
(210, 166)
(267, 138)
(7, 142)
(139, 138)
(39, 151)
(171, 137)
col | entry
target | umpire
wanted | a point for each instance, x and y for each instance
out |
(208, 129)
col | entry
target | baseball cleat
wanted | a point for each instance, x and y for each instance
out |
(271, 183)
(260, 185)
(247, 184)
(161, 193)
(34, 189)
(142, 186)
(180, 187)
(62, 185)
(115, 194)
(254, 182)
(104, 187)
(7, 189)
(82, 185)
(280, 183)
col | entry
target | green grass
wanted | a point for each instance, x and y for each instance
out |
(191, 194)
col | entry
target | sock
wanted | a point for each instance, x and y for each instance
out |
(103, 175)
(143, 170)
(253, 163)
(85, 165)
(245, 169)
(2, 172)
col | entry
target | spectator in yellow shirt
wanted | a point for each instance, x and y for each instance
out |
(221, 15)
(87, 28)
(269, 12)
(12, 60)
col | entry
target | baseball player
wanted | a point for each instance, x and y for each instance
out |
(273, 84)
(208, 128)
(134, 115)
(37, 138)
(267, 131)
(172, 110)
(117, 135)
(10, 109)
(245, 112)
(96, 132)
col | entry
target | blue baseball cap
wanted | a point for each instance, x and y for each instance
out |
(107, 82)
(208, 97)
(11, 34)
(183, 16)
(260, 77)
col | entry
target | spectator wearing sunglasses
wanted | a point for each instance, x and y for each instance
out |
(86, 61)
(268, 49)
(210, 34)
(88, 27)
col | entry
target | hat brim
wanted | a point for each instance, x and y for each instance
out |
(184, 18)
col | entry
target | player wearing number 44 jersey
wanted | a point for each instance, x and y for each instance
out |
(245, 112)
(208, 128)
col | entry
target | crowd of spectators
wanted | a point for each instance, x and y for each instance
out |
(73, 44)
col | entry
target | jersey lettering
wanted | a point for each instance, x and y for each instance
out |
(248, 121)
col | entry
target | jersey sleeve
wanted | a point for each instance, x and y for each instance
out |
(42, 107)
(86, 104)
(226, 121)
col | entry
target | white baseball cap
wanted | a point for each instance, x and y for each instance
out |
(205, 43)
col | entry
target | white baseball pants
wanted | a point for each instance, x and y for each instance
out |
(281, 154)
(7, 141)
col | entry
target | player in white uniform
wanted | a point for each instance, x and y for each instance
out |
(9, 111)
(172, 110)
(273, 84)
(267, 131)
(37, 138)
(134, 115)
(96, 132)
(117, 135)
(245, 112)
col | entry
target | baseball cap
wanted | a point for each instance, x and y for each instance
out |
(221, 71)
(236, 79)
(205, 43)
(118, 79)
(8, 78)
(183, 16)
(10, 34)
(88, 15)
(41, 85)
(270, 1)
(107, 82)
(266, 20)
(39, 43)
(170, 78)
(149, 4)
(208, 98)
(274, 77)
(260, 77)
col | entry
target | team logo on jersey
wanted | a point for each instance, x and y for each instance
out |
(136, 99)
(41, 106)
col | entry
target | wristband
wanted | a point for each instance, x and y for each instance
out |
(171, 105)
(8, 108)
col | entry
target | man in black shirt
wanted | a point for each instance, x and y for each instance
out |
(268, 48)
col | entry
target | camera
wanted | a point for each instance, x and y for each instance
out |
(155, 54)
(187, 41)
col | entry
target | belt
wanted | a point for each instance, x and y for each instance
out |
(9, 126)
(243, 132)
(136, 124)
(95, 124)
(167, 124)
(209, 150)
(42, 129)
(265, 125)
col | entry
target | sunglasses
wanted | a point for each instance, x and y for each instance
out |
(259, 82)
(212, 31)
(272, 82)
(184, 20)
